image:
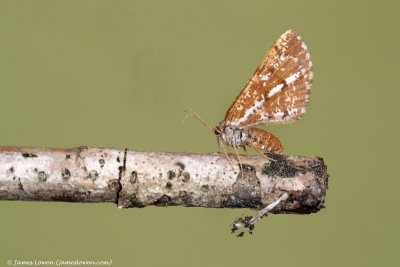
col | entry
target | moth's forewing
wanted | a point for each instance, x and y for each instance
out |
(279, 89)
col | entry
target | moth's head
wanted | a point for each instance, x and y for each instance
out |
(217, 130)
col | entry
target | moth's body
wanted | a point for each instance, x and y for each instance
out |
(258, 139)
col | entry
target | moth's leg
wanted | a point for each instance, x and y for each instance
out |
(245, 150)
(221, 144)
(237, 154)
(240, 162)
(261, 153)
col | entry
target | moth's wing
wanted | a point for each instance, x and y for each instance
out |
(279, 89)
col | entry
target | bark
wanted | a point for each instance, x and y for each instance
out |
(138, 179)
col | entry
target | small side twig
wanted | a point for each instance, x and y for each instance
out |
(249, 222)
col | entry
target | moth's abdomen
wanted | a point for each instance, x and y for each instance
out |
(263, 140)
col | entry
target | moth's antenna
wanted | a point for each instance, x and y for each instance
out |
(192, 113)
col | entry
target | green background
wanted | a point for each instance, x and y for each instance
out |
(120, 74)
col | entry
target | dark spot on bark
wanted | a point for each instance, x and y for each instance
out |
(183, 194)
(67, 156)
(67, 197)
(42, 176)
(35, 170)
(11, 169)
(135, 202)
(186, 177)
(121, 168)
(185, 198)
(318, 167)
(121, 173)
(180, 165)
(246, 191)
(14, 178)
(205, 188)
(20, 186)
(276, 156)
(102, 162)
(163, 201)
(168, 185)
(286, 168)
(171, 174)
(114, 185)
(244, 196)
(93, 175)
(29, 155)
(81, 149)
(243, 193)
(65, 173)
(281, 167)
(133, 178)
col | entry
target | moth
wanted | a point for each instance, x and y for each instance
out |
(277, 92)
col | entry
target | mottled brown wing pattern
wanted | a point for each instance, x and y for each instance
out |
(279, 89)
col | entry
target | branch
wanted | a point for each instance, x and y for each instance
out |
(138, 179)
